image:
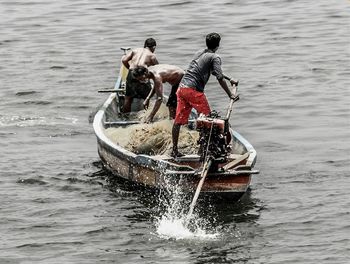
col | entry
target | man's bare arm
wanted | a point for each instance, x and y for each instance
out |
(158, 87)
(126, 58)
(231, 80)
(224, 86)
(154, 60)
(146, 102)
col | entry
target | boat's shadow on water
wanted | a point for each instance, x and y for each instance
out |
(247, 209)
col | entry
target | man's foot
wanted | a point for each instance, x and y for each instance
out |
(176, 154)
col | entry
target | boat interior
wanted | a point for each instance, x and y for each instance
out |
(132, 133)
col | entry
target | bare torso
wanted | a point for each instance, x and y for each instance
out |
(140, 57)
(166, 73)
(162, 73)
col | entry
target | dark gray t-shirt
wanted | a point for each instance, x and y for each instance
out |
(204, 63)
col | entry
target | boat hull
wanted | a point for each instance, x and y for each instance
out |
(231, 181)
(228, 187)
(154, 174)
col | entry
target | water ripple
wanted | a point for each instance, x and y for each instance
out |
(291, 58)
(32, 181)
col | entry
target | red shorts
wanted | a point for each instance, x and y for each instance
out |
(188, 98)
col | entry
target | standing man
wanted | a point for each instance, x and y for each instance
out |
(191, 89)
(159, 74)
(138, 57)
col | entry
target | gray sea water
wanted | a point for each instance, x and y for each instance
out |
(292, 58)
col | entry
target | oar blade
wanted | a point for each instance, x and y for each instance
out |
(199, 186)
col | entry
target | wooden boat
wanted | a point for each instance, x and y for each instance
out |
(229, 177)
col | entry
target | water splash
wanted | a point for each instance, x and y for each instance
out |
(174, 224)
(175, 227)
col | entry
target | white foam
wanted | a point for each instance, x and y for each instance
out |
(176, 228)
(174, 222)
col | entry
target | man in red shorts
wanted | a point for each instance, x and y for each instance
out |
(191, 89)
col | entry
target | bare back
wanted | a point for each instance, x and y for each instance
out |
(163, 73)
(167, 73)
(140, 57)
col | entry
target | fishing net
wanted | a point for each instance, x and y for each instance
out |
(162, 113)
(154, 138)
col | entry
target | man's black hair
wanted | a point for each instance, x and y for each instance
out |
(212, 40)
(139, 71)
(150, 42)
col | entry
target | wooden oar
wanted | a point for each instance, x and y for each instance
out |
(232, 100)
(199, 187)
(111, 91)
(208, 160)
(229, 111)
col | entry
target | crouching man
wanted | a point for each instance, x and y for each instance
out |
(159, 74)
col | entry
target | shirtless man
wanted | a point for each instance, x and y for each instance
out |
(138, 57)
(159, 74)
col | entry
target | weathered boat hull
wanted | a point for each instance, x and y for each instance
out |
(159, 171)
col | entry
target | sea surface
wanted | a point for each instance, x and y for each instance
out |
(292, 58)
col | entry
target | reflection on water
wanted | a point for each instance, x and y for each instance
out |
(247, 209)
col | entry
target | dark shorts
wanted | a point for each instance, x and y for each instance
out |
(172, 101)
(136, 89)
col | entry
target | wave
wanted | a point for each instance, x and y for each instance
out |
(40, 102)
(26, 93)
(31, 181)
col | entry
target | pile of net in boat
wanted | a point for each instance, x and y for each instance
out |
(154, 138)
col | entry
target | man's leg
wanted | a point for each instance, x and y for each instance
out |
(183, 110)
(175, 134)
(130, 92)
(127, 104)
(200, 103)
(172, 112)
(172, 102)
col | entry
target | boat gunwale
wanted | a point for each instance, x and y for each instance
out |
(99, 127)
